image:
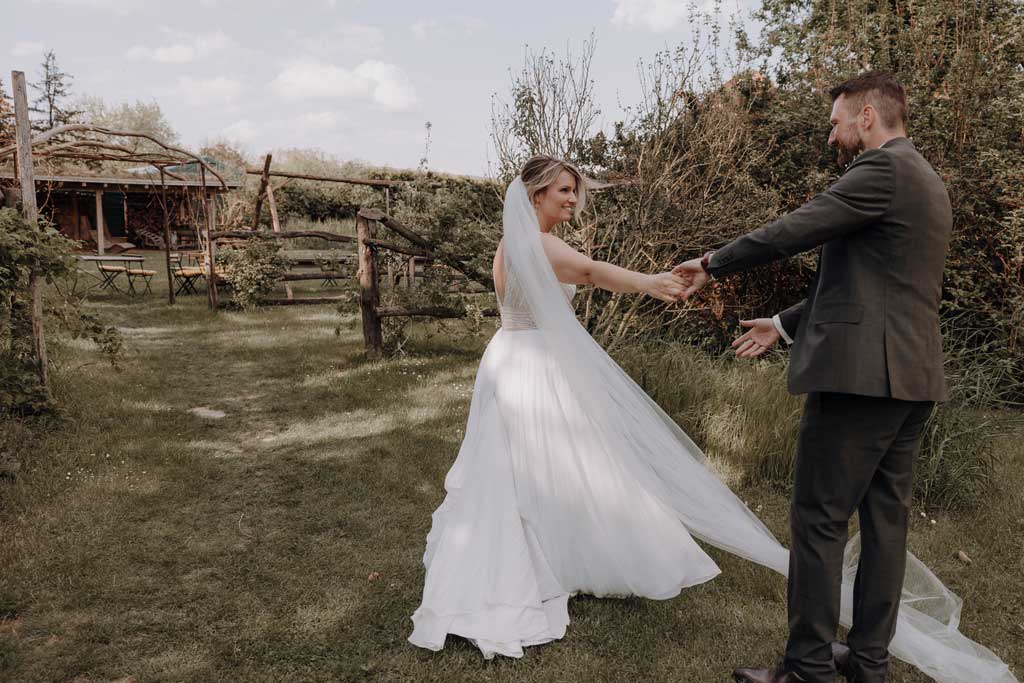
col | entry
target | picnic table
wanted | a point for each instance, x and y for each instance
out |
(112, 266)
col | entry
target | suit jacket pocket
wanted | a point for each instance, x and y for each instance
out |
(837, 312)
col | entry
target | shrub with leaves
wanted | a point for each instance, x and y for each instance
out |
(25, 249)
(253, 270)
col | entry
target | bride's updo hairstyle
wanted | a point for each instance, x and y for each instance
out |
(541, 171)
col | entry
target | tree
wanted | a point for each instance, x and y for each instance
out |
(140, 117)
(54, 91)
(552, 110)
(231, 156)
(6, 116)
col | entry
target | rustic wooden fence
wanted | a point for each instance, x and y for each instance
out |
(367, 223)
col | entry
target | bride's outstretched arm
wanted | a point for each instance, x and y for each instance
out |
(572, 267)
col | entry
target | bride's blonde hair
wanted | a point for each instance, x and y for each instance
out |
(541, 171)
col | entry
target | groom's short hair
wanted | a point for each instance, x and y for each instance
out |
(881, 90)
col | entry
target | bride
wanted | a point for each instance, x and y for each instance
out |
(570, 479)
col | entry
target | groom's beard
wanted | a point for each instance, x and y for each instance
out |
(846, 153)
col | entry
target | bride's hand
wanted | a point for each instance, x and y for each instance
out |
(755, 341)
(665, 286)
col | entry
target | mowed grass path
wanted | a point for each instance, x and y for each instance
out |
(283, 542)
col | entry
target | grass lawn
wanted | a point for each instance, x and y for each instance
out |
(142, 542)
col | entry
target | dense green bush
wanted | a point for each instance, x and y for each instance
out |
(26, 249)
(726, 139)
(461, 217)
(961, 65)
(253, 270)
(316, 201)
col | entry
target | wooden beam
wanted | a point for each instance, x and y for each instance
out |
(26, 176)
(211, 249)
(307, 301)
(369, 296)
(325, 179)
(400, 248)
(100, 226)
(274, 222)
(167, 238)
(372, 214)
(76, 218)
(429, 312)
(407, 233)
(264, 181)
(73, 127)
(284, 234)
(321, 275)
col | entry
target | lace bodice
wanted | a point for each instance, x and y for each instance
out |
(515, 314)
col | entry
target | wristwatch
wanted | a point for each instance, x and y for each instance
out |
(705, 261)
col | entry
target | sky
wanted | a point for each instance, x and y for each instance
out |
(357, 79)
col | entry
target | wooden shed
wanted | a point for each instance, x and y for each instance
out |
(115, 213)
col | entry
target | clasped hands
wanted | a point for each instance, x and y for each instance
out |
(685, 280)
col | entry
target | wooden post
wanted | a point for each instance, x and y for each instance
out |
(100, 227)
(410, 283)
(369, 295)
(211, 249)
(264, 182)
(272, 203)
(167, 238)
(273, 209)
(26, 176)
(76, 217)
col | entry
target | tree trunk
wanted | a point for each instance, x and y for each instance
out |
(26, 176)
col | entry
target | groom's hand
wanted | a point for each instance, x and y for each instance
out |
(664, 286)
(693, 276)
(756, 340)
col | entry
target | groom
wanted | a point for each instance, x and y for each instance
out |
(867, 351)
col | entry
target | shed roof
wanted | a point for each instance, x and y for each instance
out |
(137, 183)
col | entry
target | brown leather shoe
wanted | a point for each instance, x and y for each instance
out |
(841, 656)
(774, 675)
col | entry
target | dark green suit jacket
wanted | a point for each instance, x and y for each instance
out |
(870, 324)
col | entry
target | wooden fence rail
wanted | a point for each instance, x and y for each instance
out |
(414, 246)
(283, 235)
(369, 282)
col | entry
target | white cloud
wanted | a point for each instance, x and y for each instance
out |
(117, 6)
(205, 91)
(455, 26)
(654, 15)
(188, 48)
(26, 48)
(243, 130)
(321, 120)
(383, 84)
(359, 38)
(346, 38)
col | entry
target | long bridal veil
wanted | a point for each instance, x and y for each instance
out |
(657, 452)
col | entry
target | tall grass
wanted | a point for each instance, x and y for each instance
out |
(284, 542)
(741, 414)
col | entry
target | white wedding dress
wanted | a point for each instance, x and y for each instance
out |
(538, 509)
(570, 479)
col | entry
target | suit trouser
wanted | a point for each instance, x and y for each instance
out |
(853, 453)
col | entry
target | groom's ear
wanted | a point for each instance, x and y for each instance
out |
(868, 116)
